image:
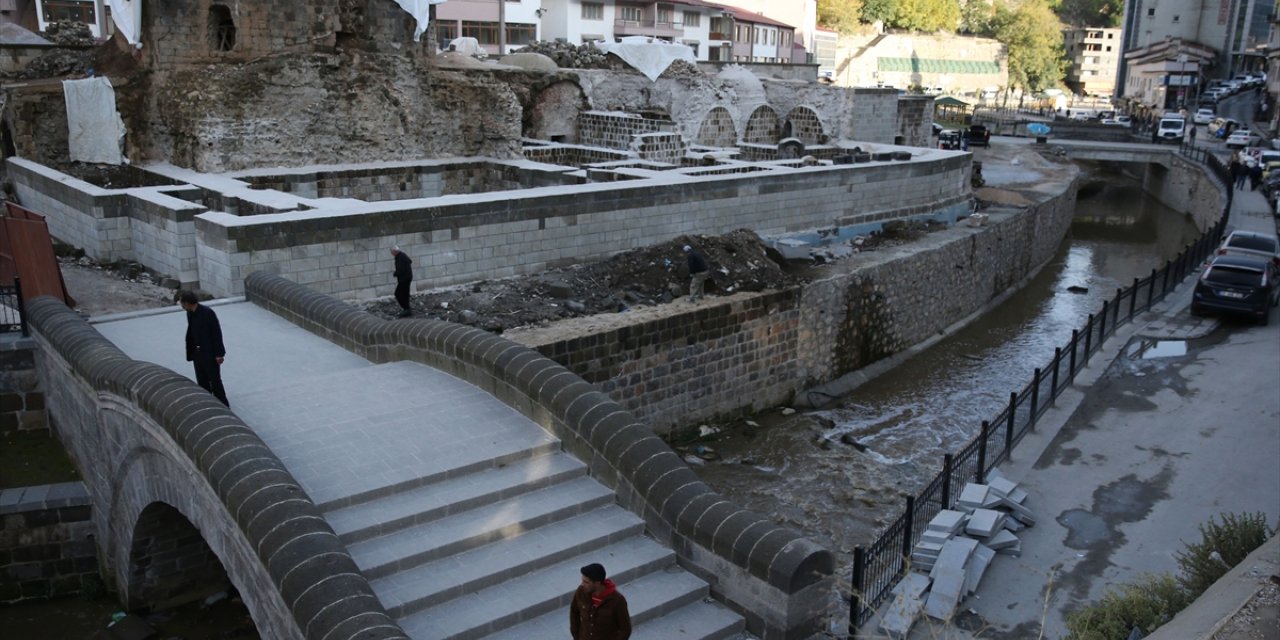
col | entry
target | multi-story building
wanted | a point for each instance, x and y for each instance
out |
(802, 15)
(1273, 77)
(1236, 30)
(1095, 56)
(479, 19)
(1164, 76)
(757, 38)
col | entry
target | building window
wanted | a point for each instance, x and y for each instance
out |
(1108, 48)
(1110, 36)
(1176, 19)
(692, 19)
(446, 32)
(1151, 12)
(483, 32)
(630, 13)
(692, 44)
(73, 10)
(593, 11)
(666, 15)
(521, 34)
(222, 28)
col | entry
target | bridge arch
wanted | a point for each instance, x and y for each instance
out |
(165, 461)
(763, 126)
(717, 129)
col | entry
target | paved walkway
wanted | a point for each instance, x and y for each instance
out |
(1134, 457)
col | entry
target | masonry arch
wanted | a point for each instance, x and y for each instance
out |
(717, 129)
(763, 126)
(221, 28)
(804, 124)
(553, 113)
(170, 563)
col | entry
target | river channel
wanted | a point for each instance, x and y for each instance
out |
(801, 469)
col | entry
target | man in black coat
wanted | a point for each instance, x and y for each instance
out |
(698, 272)
(404, 276)
(204, 345)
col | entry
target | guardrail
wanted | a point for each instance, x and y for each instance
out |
(878, 566)
(13, 312)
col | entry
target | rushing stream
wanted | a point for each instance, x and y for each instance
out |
(805, 470)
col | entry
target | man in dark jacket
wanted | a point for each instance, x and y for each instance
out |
(598, 611)
(698, 272)
(404, 276)
(204, 345)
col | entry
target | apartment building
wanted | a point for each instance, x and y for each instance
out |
(1236, 30)
(1094, 55)
(479, 19)
(1165, 76)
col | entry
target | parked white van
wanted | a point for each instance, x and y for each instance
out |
(1171, 128)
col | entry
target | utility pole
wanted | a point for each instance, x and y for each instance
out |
(502, 28)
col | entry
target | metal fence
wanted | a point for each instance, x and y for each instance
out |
(13, 315)
(878, 566)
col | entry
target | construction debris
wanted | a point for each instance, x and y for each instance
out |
(955, 550)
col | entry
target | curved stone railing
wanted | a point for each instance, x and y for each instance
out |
(777, 579)
(310, 567)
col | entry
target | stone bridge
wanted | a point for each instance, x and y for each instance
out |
(379, 479)
(1160, 154)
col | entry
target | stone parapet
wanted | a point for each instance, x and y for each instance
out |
(157, 450)
(776, 578)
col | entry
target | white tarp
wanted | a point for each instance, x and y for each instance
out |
(647, 55)
(127, 14)
(95, 129)
(421, 11)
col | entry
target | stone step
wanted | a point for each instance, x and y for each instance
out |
(701, 619)
(609, 532)
(379, 557)
(417, 505)
(503, 611)
(640, 565)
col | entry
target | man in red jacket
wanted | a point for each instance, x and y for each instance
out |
(598, 611)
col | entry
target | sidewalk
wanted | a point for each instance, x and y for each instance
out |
(1131, 461)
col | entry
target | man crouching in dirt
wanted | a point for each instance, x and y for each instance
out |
(698, 272)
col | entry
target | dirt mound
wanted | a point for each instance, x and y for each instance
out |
(648, 276)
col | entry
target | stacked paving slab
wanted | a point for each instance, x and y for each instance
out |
(467, 518)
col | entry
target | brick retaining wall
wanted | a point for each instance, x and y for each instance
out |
(46, 542)
(22, 400)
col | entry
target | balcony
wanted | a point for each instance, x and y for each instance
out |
(656, 28)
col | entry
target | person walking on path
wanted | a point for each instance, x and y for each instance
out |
(1255, 175)
(698, 272)
(1193, 135)
(404, 276)
(204, 345)
(1235, 170)
(598, 611)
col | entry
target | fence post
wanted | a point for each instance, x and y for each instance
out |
(1088, 333)
(1151, 291)
(1133, 298)
(906, 533)
(1075, 344)
(947, 461)
(1057, 364)
(1035, 399)
(857, 583)
(981, 476)
(22, 307)
(1115, 320)
(1164, 281)
(1008, 429)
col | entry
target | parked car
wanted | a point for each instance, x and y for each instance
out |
(978, 136)
(1252, 243)
(1171, 129)
(949, 139)
(1239, 139)
(1238, 284)
(937, 128)
(1225, 125)
(1203, 116)
(1118, 121)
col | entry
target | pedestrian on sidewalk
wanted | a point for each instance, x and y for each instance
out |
(1255, 175)
(698, 272)
(1236, 171)
(1193, 135)
(598, 611)
(204, 345)
(404, 277)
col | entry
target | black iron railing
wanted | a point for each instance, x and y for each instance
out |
(878, 566)
(13, 315)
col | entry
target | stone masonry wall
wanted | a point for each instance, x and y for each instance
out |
(754, 351)
(1185, 187)
(456, 240)
(46, 542)
(616, 130)
(874, 115)
(915, 120)
(22, 401)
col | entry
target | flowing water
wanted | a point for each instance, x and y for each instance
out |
(807, 472)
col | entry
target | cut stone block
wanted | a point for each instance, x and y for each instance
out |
(1013, 525)
(1018, 511)
(977, 567)
(973, 496)
(1002, 540)
(948, 578)
(984, 523)
(1015, 550)
(936, 537)
(1007, 489)
(947, 521)
(902, 613)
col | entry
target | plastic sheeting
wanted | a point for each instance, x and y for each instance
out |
(648, 56)
(421, 11)
(95, 130)
(127, 14)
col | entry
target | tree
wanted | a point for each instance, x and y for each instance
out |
(841, 15)
(884, 10)
(1091, 13)
(1033, 36)
(927, 15)
(976, 17)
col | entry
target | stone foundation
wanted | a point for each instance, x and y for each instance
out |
(22, 400)
(46, 542)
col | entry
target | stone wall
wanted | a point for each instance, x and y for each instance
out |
(22, 401)
(1186, 186)
(668, 148)
(775, 578)
(457, 240)
(863, 52)
(754, 351)
(46, 542)
(874, 116)
(770, 70)
(15, 57)
(408, 181)
(915, 120)
(616, 130)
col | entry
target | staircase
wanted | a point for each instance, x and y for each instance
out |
(467, 518)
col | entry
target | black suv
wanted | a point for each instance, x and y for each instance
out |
(1238, 284)
(978, 136)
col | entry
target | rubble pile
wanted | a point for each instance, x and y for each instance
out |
(570, 56)
(69, 33)
(955, 551)
(59, 63)
(681, 69)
